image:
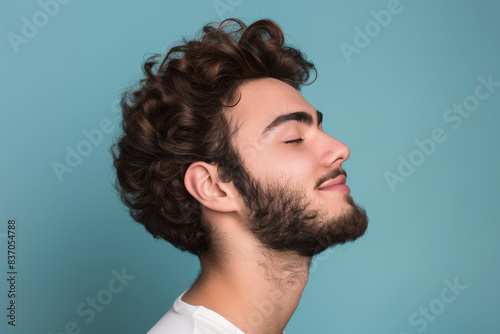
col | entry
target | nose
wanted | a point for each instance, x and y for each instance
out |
(334, 152)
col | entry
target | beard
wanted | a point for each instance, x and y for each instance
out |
(283, 218)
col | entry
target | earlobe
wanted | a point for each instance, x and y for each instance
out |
(202, 182)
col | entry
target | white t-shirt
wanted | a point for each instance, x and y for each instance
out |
(184, 318)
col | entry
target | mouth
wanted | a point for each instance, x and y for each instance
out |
(336, 184)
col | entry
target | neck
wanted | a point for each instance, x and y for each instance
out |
(258, 293)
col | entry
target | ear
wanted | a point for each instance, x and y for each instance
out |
(202, 182)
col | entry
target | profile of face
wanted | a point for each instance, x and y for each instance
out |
(292, 183)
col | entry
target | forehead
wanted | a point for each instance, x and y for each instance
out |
(261, 101)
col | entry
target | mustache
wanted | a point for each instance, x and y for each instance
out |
(333, 174)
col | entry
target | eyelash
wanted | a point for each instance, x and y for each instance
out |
(295, 141)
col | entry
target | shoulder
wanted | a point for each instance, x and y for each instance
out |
(184, 318)
(173, 322)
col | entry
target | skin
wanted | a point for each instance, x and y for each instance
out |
(255, 287)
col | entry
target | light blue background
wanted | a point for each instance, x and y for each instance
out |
(440, 224)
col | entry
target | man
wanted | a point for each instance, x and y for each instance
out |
(223, 157)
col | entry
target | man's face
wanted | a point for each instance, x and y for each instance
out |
(287, 165)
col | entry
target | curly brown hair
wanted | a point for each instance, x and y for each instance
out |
(177, 116)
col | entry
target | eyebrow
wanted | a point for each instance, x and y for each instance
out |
(299, 116)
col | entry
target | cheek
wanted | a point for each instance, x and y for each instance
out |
(296, 164)
(251, 155)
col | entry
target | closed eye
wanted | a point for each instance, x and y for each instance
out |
(295, 141)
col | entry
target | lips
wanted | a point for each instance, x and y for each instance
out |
(338, 180)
